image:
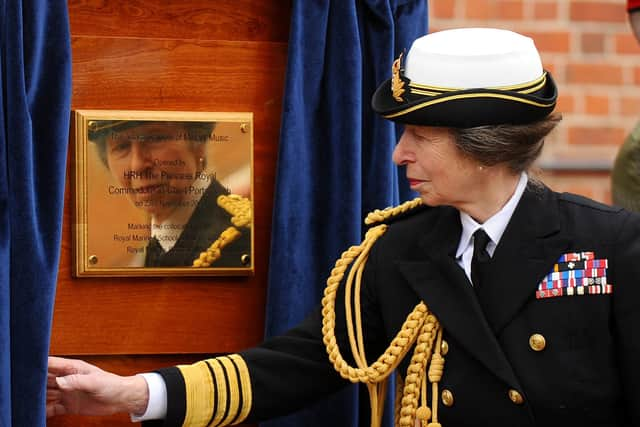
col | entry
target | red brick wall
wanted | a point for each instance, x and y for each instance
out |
(588, 47)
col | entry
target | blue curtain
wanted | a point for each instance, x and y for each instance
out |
(35, 73)
(334, 162)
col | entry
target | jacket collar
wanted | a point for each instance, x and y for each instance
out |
(528, 249)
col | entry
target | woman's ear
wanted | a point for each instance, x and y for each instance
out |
(200, 152)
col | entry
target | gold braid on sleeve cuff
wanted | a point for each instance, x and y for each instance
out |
(218, 391)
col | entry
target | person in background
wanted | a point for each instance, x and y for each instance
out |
(625, 176)
(161, 166)
(497, 301)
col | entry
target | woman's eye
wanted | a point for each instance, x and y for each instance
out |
(120, 149)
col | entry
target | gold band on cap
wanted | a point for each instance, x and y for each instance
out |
(466, 96)
(94, 127)
(520, 87)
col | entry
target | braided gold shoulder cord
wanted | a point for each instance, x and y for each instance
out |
(420, 326)
(240, 210)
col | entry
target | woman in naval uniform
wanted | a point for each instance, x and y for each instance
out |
(496, 300)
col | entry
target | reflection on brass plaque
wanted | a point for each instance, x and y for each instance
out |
(163, 193)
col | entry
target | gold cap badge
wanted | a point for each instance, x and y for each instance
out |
(397, 84)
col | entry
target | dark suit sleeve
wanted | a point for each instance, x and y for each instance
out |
(281, 375)
(626, 308)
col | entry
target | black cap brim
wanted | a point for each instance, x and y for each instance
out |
(467, 108)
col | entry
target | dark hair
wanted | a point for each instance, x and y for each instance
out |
(517, 146)
(195, 132)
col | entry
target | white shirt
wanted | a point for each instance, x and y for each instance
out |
(157, 406)
(494, 227)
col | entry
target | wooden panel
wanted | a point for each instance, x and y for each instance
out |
(173, 315)
(191, 55)
(177, 74)
(161, 71)
(123, 365)
(184, 19)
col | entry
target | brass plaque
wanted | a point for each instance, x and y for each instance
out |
(163, 193)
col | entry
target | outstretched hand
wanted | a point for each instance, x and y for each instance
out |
(77, 387)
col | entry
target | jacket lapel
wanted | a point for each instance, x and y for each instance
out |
(528, 249)
(444, 287)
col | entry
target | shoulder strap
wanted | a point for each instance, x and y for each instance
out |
(393, 212)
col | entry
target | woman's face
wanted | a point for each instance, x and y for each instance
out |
(158, 163)
(436, 168)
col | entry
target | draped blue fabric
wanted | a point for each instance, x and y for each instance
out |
(334, 162)
(35, 73)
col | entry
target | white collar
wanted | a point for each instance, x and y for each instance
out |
(495, 225)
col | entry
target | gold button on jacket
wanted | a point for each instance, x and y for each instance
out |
(537, 342)
(516, 397)
(447, 397)
(444, 348)
(489, 352)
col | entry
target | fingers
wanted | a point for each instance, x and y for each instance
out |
(86, 383)
(53, 392)
(51, 381)
(72, 382)
(53, 395)
(54, 409)
(60, 366)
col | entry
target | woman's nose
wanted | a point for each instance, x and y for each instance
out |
(140, 156)
(401, 155)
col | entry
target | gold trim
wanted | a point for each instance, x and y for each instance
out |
(425, 92)
(199, 394)
(381, 215)
(438, 89)
(522, 86)
(234, 390)
(221, 389)
(245, 387)
(465, 96)
(240, 210)
(83, 248)
(526, 91)
(420, 328)
(535, 88)
(93, 126)
(397, 84)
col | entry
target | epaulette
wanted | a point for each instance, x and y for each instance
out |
(240, 210)
(394, 213)
(238, 207)
(584, 201)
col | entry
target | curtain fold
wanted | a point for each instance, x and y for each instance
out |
(334, 163)
(35, 73)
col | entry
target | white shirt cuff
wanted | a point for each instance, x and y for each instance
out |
(157, 406)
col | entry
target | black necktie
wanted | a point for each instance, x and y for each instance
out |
(480, 256)
(154, 252)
